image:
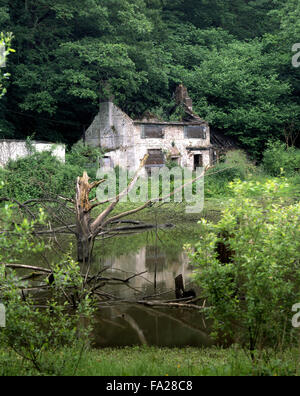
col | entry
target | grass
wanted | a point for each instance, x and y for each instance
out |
(154, 361)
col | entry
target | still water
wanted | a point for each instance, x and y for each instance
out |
(159, 260)
(159, 257)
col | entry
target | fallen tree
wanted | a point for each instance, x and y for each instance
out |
(92, 285)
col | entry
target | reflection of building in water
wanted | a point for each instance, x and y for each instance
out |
(155, 259)
(155, 263)
(134, 324)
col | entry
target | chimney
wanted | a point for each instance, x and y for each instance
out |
(105, 94)
(182, 97)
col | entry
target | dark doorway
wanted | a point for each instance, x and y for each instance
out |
(198, 161)
(156, 158)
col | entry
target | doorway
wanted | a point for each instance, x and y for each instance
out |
(198, 161)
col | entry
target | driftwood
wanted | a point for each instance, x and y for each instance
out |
(170, 305)
(27, 267)
(98, 282)
(97, 277)
(188, 300)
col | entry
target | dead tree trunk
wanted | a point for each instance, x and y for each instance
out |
(85, 238)
(84, 248)
(179, 288)
(87, 229)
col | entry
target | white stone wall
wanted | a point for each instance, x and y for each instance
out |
(173, 134)
(115, 131)
(112, 129)
(14, 149)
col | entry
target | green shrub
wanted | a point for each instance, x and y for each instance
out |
(41, 175)
(235, 165)
(85, 157)
(32, 330)
(281, 160)
(251, 289)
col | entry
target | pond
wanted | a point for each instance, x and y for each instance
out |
(132, 324)
(158, 258)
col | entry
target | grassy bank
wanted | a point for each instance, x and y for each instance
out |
(154, 361)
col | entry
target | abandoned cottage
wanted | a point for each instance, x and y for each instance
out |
(188, 143)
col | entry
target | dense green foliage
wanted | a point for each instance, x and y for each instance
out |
(281, 160)
(41, 175)
(234, 165)
(235, 58)
(31, 329)
(248, 265)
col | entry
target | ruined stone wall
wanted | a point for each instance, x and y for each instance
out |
(123, 140)
(14, 149)
(174, 134)
(113, 130)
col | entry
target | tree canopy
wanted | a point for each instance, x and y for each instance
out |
(234, 57)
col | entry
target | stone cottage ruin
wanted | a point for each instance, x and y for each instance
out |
(188, 142)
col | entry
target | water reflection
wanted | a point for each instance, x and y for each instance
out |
(158, 269)
(138, 325)
(132, 324)
(160, 262)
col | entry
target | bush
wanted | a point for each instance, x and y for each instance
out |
(31, 330)
(248, 265)
(235, 165)
(84, 157)
(40, 175)
(281, 160)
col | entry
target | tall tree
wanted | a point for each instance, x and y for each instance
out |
(239, 91)
(68, 50)
(235, 56)
(242, 18)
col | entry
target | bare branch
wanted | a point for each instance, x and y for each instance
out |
(27, 267)
(99, 220)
